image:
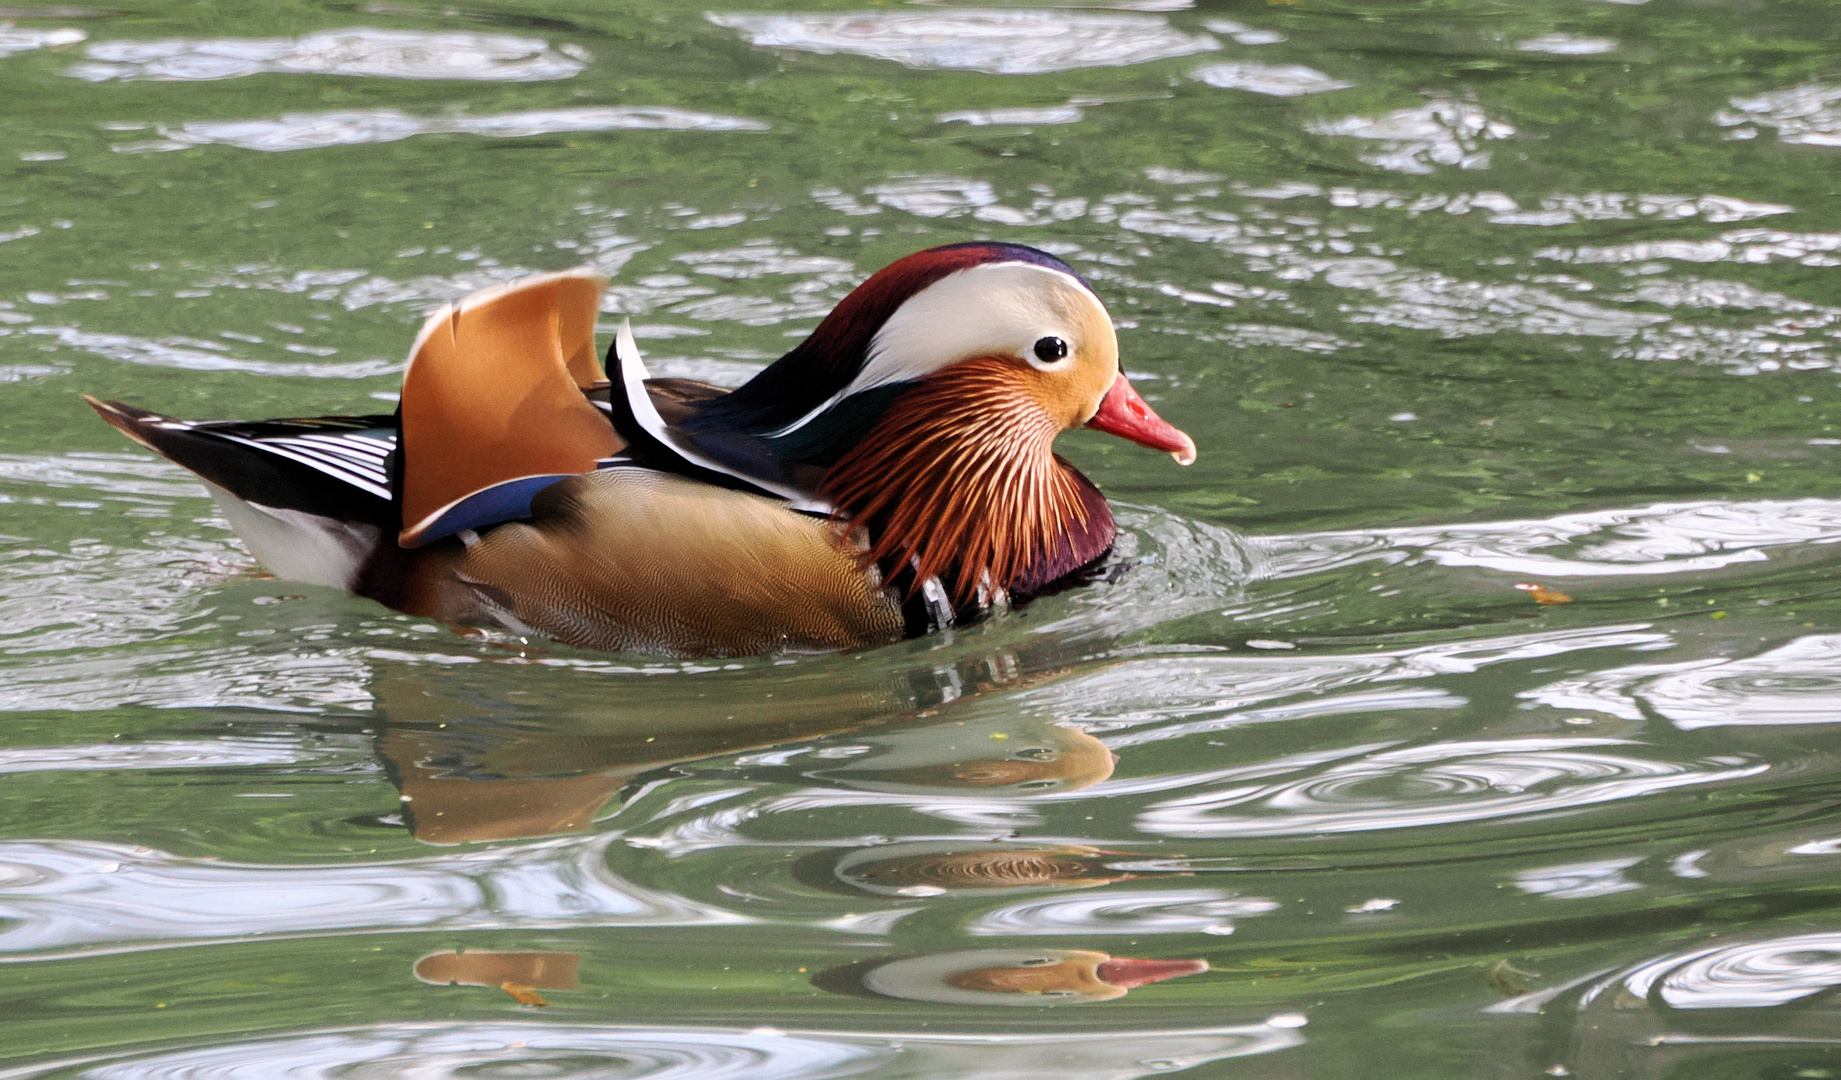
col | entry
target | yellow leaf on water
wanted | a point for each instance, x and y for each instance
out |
(524, 994)
(1541, 594)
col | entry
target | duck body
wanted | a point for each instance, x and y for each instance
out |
(890, 476)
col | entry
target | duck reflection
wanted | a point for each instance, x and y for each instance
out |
(1024, 755)
(942, 867)
(1009, 976)
(474, 763)
(474, 766)
(520, 974)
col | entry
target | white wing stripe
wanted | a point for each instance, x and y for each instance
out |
(376, 483)
(329, 454)
(330, 450)
(363, 445)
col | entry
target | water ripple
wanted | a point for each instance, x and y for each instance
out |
(1142, 701)
(14, 39)
(186, 356)
(1578, 881)
(1749, 246)
(1797, 683)
(58, 896)
(1747, 975)
(160, 754)
(439, 1050)
(1165, 911)
(1014, 117)
(132, 477)
(1444, 131)
(1567, 45)
(1809, 115)
(1000, 42)
(1273, 80)
(391, 54)
(309, 131)
(1438, 784)
(1664, 538)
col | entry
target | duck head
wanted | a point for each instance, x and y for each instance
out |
(930, 398)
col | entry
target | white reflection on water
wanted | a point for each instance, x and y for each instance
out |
(1273, 80)
(1242, 33)
(1444, 131)
(1166, 911)
(1808, 114)
(1019, 117)
(933, 196)
(1001, 42)
(307, 131)
(15, 39)
(1797, 683)
(62, 895)
(1578, 881)
(1436, 784)
(392, 54)
(160, 754)
(1749, 975)
(431, 1051)
(1567, 45)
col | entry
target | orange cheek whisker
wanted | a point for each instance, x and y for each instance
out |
(958, 477)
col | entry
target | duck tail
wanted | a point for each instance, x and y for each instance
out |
(311, 498)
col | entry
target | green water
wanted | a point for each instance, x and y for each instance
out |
(1452, 295)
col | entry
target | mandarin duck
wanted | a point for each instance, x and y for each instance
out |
(891, 475)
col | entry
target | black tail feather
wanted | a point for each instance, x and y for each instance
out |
(336, 467)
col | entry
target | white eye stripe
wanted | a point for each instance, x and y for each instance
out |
(994, 309)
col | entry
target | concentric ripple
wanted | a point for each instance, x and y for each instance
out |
(1744, 975)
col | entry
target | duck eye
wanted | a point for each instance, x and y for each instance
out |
(1050, 349)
